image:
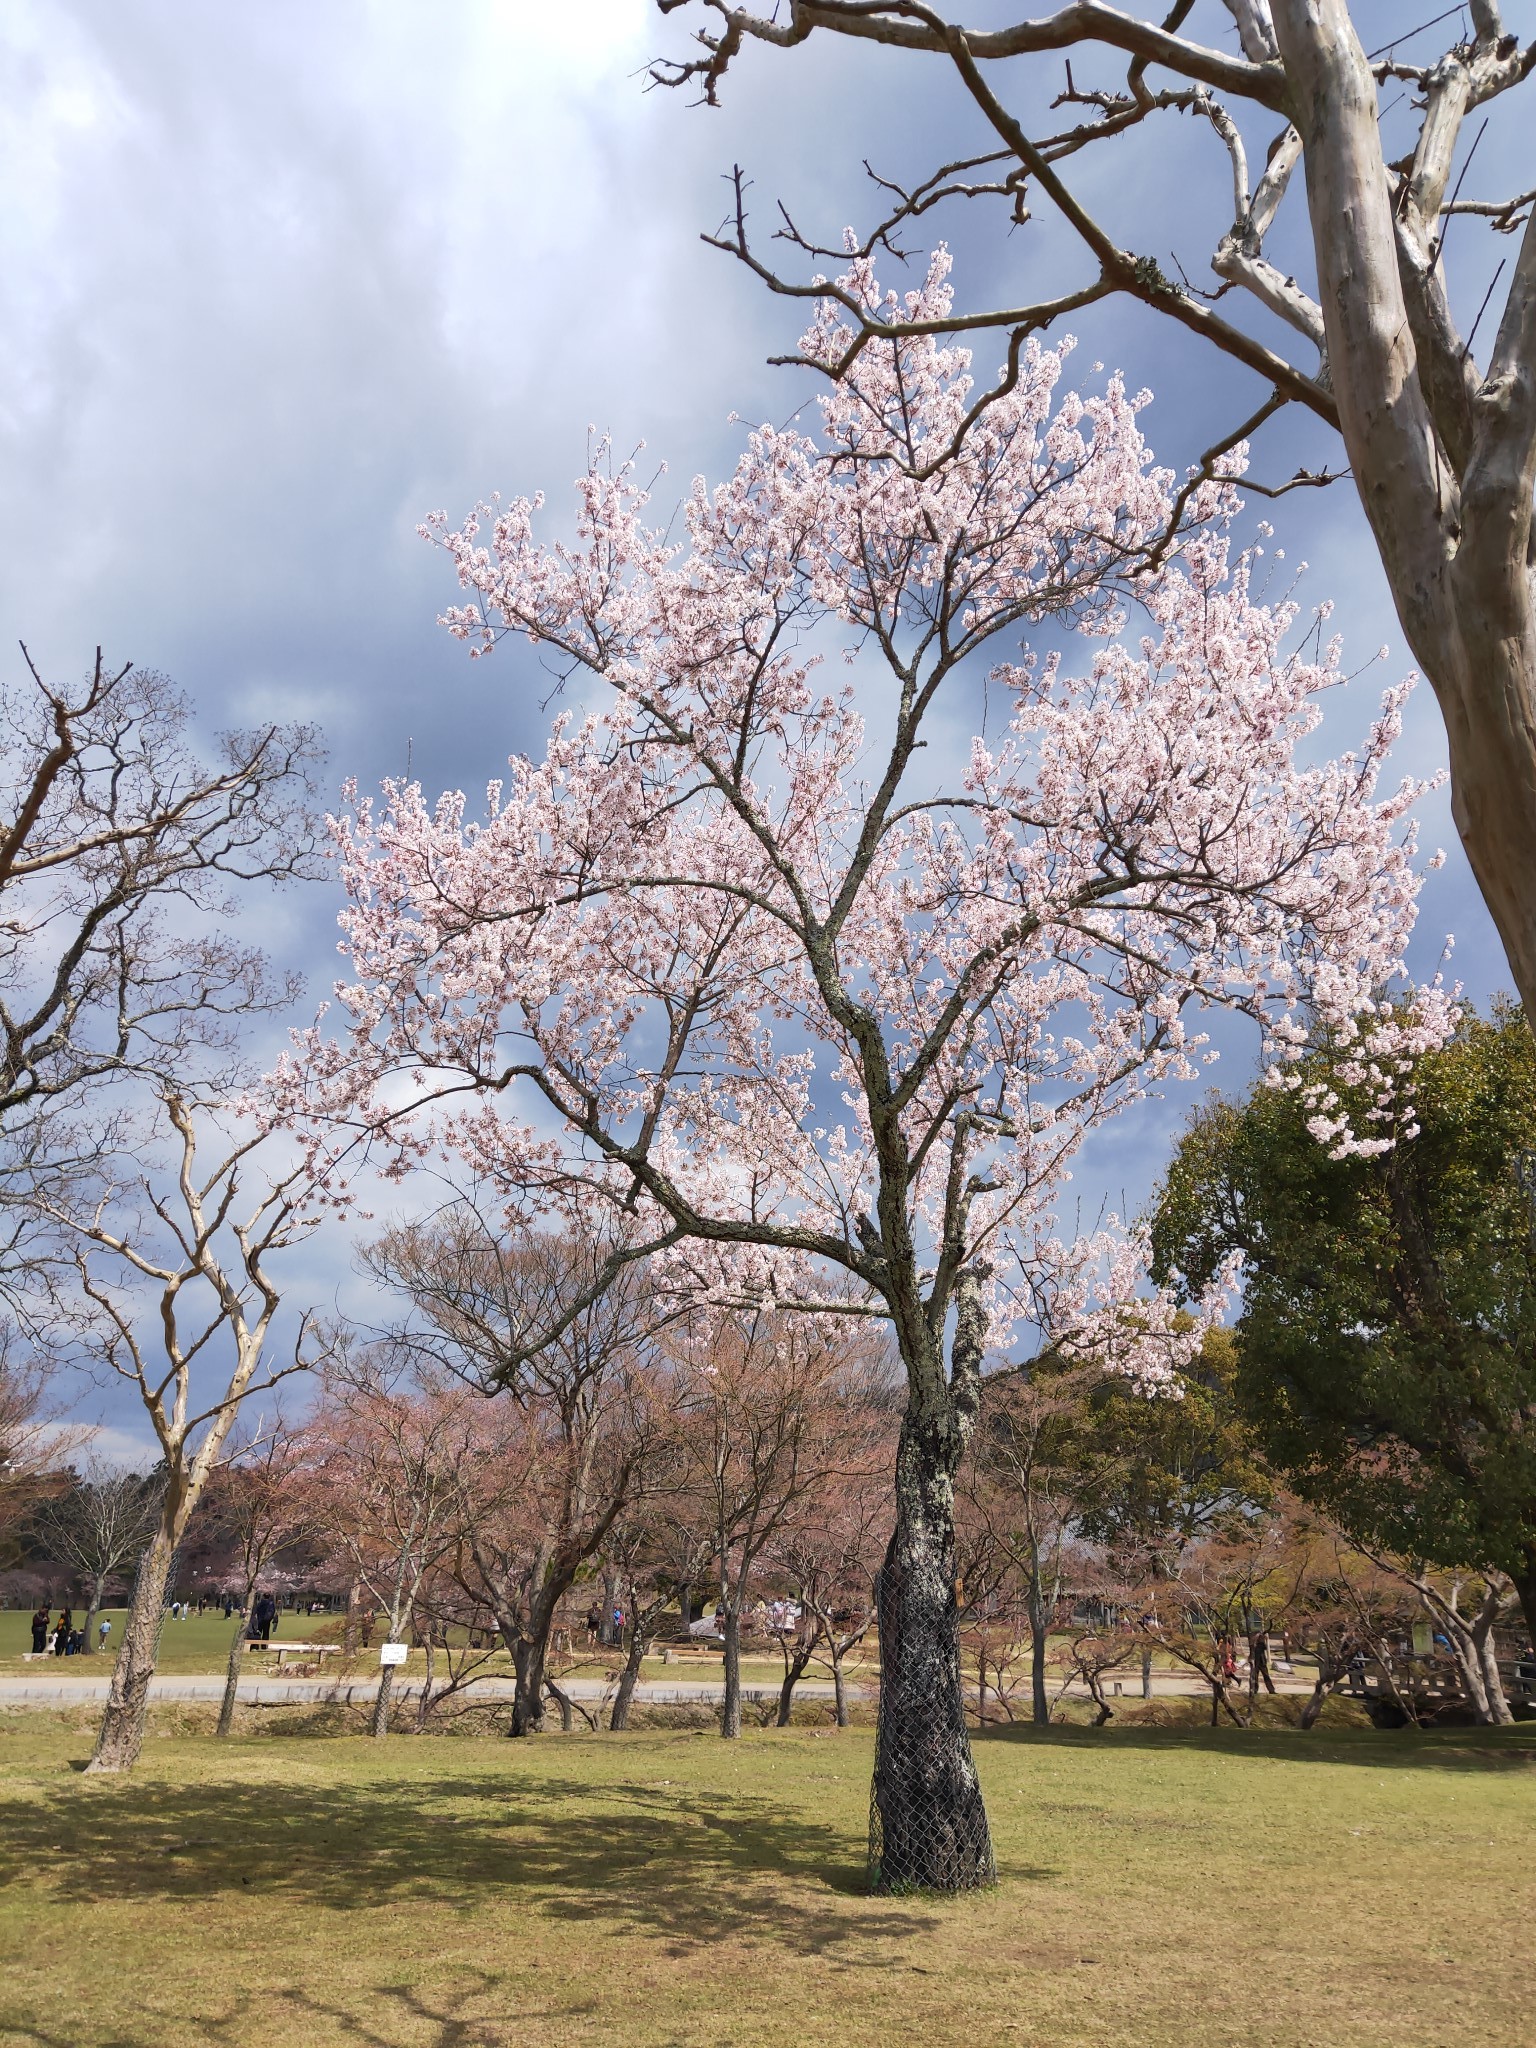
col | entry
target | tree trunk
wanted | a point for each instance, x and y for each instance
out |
(563, 1701)
(839, 1687)
(424, 1704)
(1146, 1671)
(1488, 1657)
(1039, 1637)
(121, 1736)
(353, 1626)
(928, 1825)
(629, 1678)
(379, 1726)
(1525, 1593)
(730, 1708)
(528, 1698)
(1455, 560)
(794, 1671)
(232, 1672)
(98, 1586)
(1332, 1670)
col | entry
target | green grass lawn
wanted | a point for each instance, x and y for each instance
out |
(1158, 1887)
(201, 1645)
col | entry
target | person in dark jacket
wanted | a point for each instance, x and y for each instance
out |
(65, 1631)
(40, 1632)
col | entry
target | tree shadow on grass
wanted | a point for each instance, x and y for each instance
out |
(1446, 1749)
(482, 2009)
(691, 1872)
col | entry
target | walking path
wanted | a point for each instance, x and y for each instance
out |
(272, 1692)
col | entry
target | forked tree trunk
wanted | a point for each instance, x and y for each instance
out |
(121, 1736)
(1488, 1656)
(928, 1825)
(794, 1671)
(730, 1706)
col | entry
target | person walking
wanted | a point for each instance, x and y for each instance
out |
(1258, 1663)
(40, 1632)
(102, 1632)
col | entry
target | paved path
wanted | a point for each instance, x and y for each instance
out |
(268, 1692)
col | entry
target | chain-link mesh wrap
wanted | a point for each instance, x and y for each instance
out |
(927, 1823)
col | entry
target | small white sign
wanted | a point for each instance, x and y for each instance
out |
(393, 1653)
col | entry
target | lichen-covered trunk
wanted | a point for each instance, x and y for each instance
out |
(928, 1825)
(121, 1736)
(730, 1706)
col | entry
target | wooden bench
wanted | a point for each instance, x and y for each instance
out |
(282, 1650)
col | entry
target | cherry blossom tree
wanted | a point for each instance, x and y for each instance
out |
(808, 995)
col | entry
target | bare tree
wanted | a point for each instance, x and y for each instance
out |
(648, 1550)
(190, 1249)
(103, 1520)
(562, 1347)
(1442, 447)
(771, 1413)
(391, 1464)
(830, 1557)
(1034, 1469)
(259, 1502)
(111, 828)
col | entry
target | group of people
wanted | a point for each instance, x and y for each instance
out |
(62, 1639)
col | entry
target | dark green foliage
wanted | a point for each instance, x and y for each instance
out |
(1387, 1346)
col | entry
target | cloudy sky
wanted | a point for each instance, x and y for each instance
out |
(277, 281)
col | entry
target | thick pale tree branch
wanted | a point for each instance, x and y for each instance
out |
(904, 26)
